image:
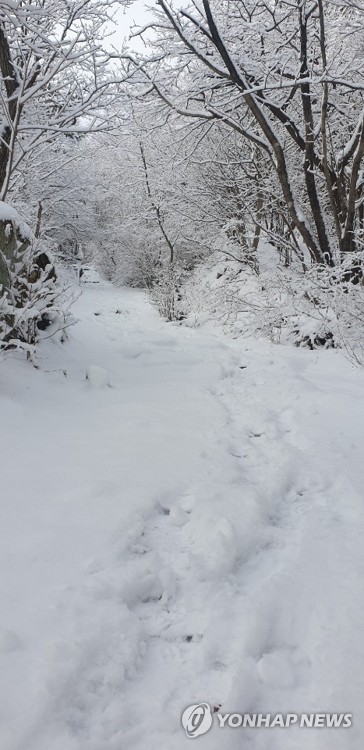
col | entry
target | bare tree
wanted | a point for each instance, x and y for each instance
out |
(271, 72)
(55, 75)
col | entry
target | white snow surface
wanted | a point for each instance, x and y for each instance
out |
(191, 529)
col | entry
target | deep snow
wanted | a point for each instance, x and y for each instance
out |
(182, 521)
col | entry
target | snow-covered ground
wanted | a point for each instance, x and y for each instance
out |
(184, 524)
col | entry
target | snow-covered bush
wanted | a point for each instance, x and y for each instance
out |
(315, 308)
(30, 294)
(328, 309)
(165, 293)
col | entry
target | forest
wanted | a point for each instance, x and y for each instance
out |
(219, 133)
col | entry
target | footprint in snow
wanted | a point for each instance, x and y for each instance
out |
(276, 669)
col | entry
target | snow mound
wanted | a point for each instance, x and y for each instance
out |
(8, 213)
(97, 376)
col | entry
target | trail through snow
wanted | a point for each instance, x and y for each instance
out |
(182, 521)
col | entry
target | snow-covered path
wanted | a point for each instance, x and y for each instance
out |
(189, 529)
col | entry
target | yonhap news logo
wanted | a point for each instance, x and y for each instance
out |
(198, 720)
